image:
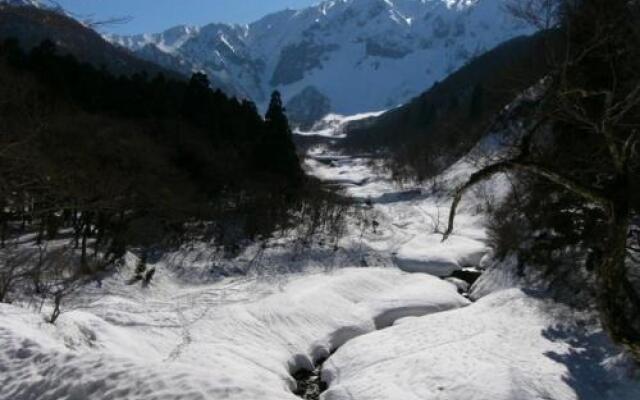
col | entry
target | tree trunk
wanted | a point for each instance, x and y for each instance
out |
(83, 255)
(100, 227)
(3, 234)
(41, 229)
(86, 231)
(617, 301)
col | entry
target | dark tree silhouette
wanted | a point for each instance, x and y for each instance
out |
(277, 149)
(589, 121)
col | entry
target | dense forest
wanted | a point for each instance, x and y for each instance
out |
(110, 163)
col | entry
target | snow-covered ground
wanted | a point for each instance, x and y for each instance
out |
(400, 331)
(509, 345)
(409, 219)
(237, 339)
(332, 125)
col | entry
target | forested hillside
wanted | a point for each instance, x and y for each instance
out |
(31, 26)
(572, 213)
(110, 162)
(560, 113)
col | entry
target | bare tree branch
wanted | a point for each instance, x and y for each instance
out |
(590, 194)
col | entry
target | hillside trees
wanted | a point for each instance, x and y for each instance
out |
(93, 164)
(582, 150)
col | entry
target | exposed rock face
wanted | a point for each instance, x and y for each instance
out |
(307, 107)
(380, 49)
(298, 59)
(342, 48)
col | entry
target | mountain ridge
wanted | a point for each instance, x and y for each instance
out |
(339, 49)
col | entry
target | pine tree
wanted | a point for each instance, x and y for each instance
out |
(477, 101)
(196, 98)
(275, 116)
(278, 153)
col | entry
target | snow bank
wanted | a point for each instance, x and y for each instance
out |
(333, 125)
(499, 275)
(237, 339)
(427, 253)
(410, 218)
(507, 346)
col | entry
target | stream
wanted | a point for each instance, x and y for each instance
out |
(309, 383)
(405, 214)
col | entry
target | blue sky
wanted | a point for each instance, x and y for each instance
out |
(157, 15)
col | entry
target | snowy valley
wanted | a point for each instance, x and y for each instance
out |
(479, 240)
(398, 331)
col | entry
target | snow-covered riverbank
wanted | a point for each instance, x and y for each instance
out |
(509, 345)
(409, 219)
(238, 339)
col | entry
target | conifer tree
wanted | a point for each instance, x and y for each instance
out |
(477, 101)
(195, 100)
(277, 148)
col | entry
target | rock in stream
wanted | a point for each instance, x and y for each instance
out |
(310, 386)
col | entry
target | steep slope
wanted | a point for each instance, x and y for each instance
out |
(32, 22)
(355, 55)
(434, 129)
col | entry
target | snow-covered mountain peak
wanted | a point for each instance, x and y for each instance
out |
(352, 55)
(26, 3)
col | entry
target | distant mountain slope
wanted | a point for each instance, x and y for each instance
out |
(434, 129)
(33, 21)
(350, 55)
(27, 3)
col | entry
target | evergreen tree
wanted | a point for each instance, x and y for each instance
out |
(276, 116)
(476, 104)
(278, 153)
(195, 104)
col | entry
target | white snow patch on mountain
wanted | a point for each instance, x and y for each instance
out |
(333, 125)
(362, 55)
(26, 3)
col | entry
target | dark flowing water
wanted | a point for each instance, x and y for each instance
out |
(310, 385)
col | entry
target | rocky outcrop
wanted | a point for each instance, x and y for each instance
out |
(340, 48)
(298, 59)
(308, 107)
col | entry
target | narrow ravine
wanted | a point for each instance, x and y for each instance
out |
(402, 214)
(309, 383)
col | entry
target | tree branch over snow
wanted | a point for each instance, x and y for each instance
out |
(594, 99)
(593, 195)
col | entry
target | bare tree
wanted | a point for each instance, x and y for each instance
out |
(595, 90)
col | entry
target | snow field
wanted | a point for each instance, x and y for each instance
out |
(191, 336)
(410, 220)
(509, 345)
(233, 340)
